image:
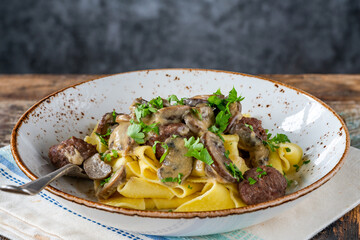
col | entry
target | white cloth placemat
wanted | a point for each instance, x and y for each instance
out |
(43, 217)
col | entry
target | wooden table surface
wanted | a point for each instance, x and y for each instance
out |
(341, 92)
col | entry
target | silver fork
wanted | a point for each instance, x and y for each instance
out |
(34, 187)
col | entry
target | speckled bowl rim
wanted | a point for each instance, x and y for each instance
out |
(177, 215)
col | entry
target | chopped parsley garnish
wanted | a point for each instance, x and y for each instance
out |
(288, 149)
(137, 130)
(221, 122)
(249, 126)
(109, 156)
(289, 182)
(165, 146)
(251, 181)
(174, 98)
(170, 179)
(233, 169)
(134, 131)
(269, 165)
(222, 118)
(227, 153)
(306, 162)
(157, 102)
(261, 171)
(297, 167)
(106, 180)
(143, 110)
(102, 137)
(148, 128)
(262, 174)
(197, 150)
(197, 113)
(190, 187)
(274, 142)
(114, 115)
(233, 96)
(174, 136)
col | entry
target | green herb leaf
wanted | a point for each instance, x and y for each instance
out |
(251, 181)
(289, 182)
(109, 156)
(174, 136)
(226, 153)
(134, 131)
(274, 142)
(115, 153)
(221, 122)
(306, 162)
(174, 98)
(234, 170)
(197, 150)
(197, 113)
(233, 96)
(249, 126)
(170, 179)
(143, 110)
(102, 137)
(297, 167)
(114, 115)
(157, 102)
(189, 187)
(106, 180)
(165, 146)
(218, 92)
(148, 128)
(288, 149)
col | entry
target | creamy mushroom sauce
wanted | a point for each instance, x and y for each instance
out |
(187, 138)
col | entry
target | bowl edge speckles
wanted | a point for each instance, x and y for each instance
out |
(282, 108)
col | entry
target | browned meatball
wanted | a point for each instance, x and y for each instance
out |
(73, 150)
(167, 131)
(271, 185)
(256, 124)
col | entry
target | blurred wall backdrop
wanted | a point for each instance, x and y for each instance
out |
(251, 36)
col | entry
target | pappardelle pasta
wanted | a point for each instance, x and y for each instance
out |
(189, 154)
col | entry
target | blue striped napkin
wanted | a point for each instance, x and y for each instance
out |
(45, 202)
(44, 217)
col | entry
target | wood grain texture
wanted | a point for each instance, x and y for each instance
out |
(341, 92)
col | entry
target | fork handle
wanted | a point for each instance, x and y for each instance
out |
(34, 187)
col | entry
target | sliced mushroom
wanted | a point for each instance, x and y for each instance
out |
(249, 141)
(119, 140)
(172, 114)
(236, 116)
(106, 122)
(95, 168)
(123, 118)
(175, 162)
(216, 149)
(73, 150)
(105, 191)
(192, 102)
(200, 119)
(166, 131)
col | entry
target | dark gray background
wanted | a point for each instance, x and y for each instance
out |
(252, 36)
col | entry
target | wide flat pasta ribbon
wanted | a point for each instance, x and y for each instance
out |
(214, 196)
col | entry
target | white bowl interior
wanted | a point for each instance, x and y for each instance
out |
(75, 111)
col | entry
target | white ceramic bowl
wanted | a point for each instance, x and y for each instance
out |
(283, 109)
